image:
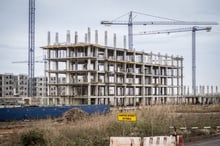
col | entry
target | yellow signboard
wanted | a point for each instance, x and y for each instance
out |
(129, 117)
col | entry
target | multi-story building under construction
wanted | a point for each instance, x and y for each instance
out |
(99, 74)
(13, 85)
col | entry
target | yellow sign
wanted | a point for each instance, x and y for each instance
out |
(129, 117)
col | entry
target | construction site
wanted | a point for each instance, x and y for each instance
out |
(101, 88)
(96, 74)
(86, 72)
(90, 73)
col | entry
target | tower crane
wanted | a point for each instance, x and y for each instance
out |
(130, 24)
(193, 30)
(31, 46)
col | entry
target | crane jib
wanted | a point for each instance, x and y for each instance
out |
(160, 23)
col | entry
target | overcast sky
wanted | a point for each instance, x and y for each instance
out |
(78, 15)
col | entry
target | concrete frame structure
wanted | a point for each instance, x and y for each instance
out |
(13, 85)
(22, 85)
(89, 73)
(7, 84)
(17, 85)
(96, 74)
(40, 86)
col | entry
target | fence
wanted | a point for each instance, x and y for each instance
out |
(21, 113)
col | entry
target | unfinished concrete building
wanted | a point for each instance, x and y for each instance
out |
(99, 74)
(40, 86)
(22, 85)
(7, 82)
(13, 85)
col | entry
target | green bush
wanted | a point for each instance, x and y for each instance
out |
(33, 137)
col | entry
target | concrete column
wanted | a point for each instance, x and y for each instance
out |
(56, 68)
(188, 90)
(96, 37)
(96, 74)
(151, 58)
(68, 74)
(159, 77)
(76, 37)
(143, 84)
(89, 77)
(96, 90)
(197, 90)
(48, 38)
(106, 90)
(212, 93)
(125, 99)
(86, 39)
(178, 78)
(172, 78)
(116, 101)
(200, 90)
(49, 74)
(181, 77)
(125, 42)
(207, 91)
(151, 82)
(203, 90)
(165, 61)
(47, 101)
(159, 59)
(68, 37)
(89, 35)
(106, 38)
(57, 38)
(96, 101)
(184, 90)
(114, 41)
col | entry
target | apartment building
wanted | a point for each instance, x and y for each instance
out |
(96, 74)
(7, 85)
(13, 85)
(21, 85)
(17, 85)
(40, 84)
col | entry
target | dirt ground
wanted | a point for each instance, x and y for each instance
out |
(10, 129)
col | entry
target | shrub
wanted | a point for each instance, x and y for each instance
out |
(33, 137)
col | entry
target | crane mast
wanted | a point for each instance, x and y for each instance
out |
(131, 23)
(194, 61)
(193, 30)
(31, 47)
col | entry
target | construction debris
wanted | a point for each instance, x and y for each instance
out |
(74, 114)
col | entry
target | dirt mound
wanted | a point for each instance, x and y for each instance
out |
(74, 114)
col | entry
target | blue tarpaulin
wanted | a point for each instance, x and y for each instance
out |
(21, 113)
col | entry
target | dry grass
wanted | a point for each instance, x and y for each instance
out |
(96, 130)
(197, 108)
